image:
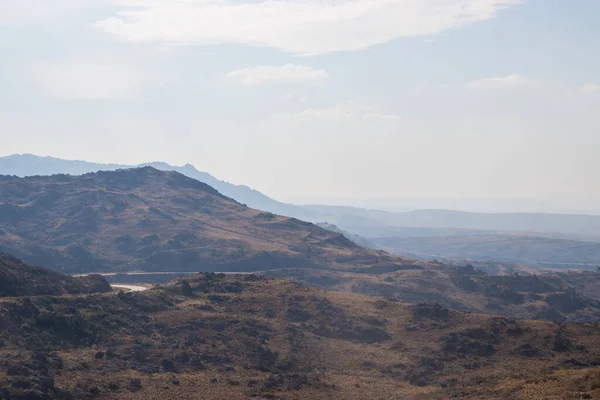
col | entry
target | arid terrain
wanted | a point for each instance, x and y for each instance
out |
(150, 220)
(145, 219)
(386, 328)
(553, 297)
(20, 279)
(547, 241)
(299, 200)
(532, 250)
(246, 336)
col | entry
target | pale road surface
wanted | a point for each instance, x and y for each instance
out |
(159, 273)
(130, 287)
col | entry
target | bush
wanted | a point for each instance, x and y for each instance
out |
(434, 311)
(135, 385)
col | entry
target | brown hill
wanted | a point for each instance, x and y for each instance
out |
(145, 219)
(237, 337)
(20, 279)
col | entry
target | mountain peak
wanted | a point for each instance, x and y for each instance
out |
(32, 165)
(150, 175)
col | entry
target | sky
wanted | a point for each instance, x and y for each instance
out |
(316, 101)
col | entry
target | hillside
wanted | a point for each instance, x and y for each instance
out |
(150, 220)
(364, 222)
(24, 165)
(551, 297)
(499, 247)
(359, 240)
(587, 283)
(20, 279)
(146, 219)
(238, 337)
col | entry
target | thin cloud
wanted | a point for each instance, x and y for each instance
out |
(43, 12)
(347, 112)
(271, 74)
(501, 82)
(306, 27)
(88, 80)
(590, 88)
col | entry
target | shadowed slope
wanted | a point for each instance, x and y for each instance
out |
(20, 279)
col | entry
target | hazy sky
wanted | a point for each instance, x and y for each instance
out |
(309, 100)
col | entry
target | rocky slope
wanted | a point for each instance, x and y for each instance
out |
(541, 240)
(146, 219)
(23, 165)
(237, 337)
(20, 279)
(552, 297)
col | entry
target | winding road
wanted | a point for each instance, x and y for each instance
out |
(130, 287)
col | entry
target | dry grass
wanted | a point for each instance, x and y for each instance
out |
(328, 346)
(144, 219)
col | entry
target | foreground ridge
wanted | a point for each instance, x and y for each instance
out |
(240, 336)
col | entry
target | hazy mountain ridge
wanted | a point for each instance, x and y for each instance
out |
(23, 165)
(359, 240)
(361, 221)
(377, 223)
(531, 250)
(396, 231)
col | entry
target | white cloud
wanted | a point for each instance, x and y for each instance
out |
(88, 80)
(305, 27)
(295, 97)
(493, 83)
(268, 74)
(20, 12)
(346, 112)
(590, 88)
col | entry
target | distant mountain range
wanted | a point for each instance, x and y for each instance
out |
(148, 220)
(535, 251)
(365, 222)
(373, 223)
(395, 231)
